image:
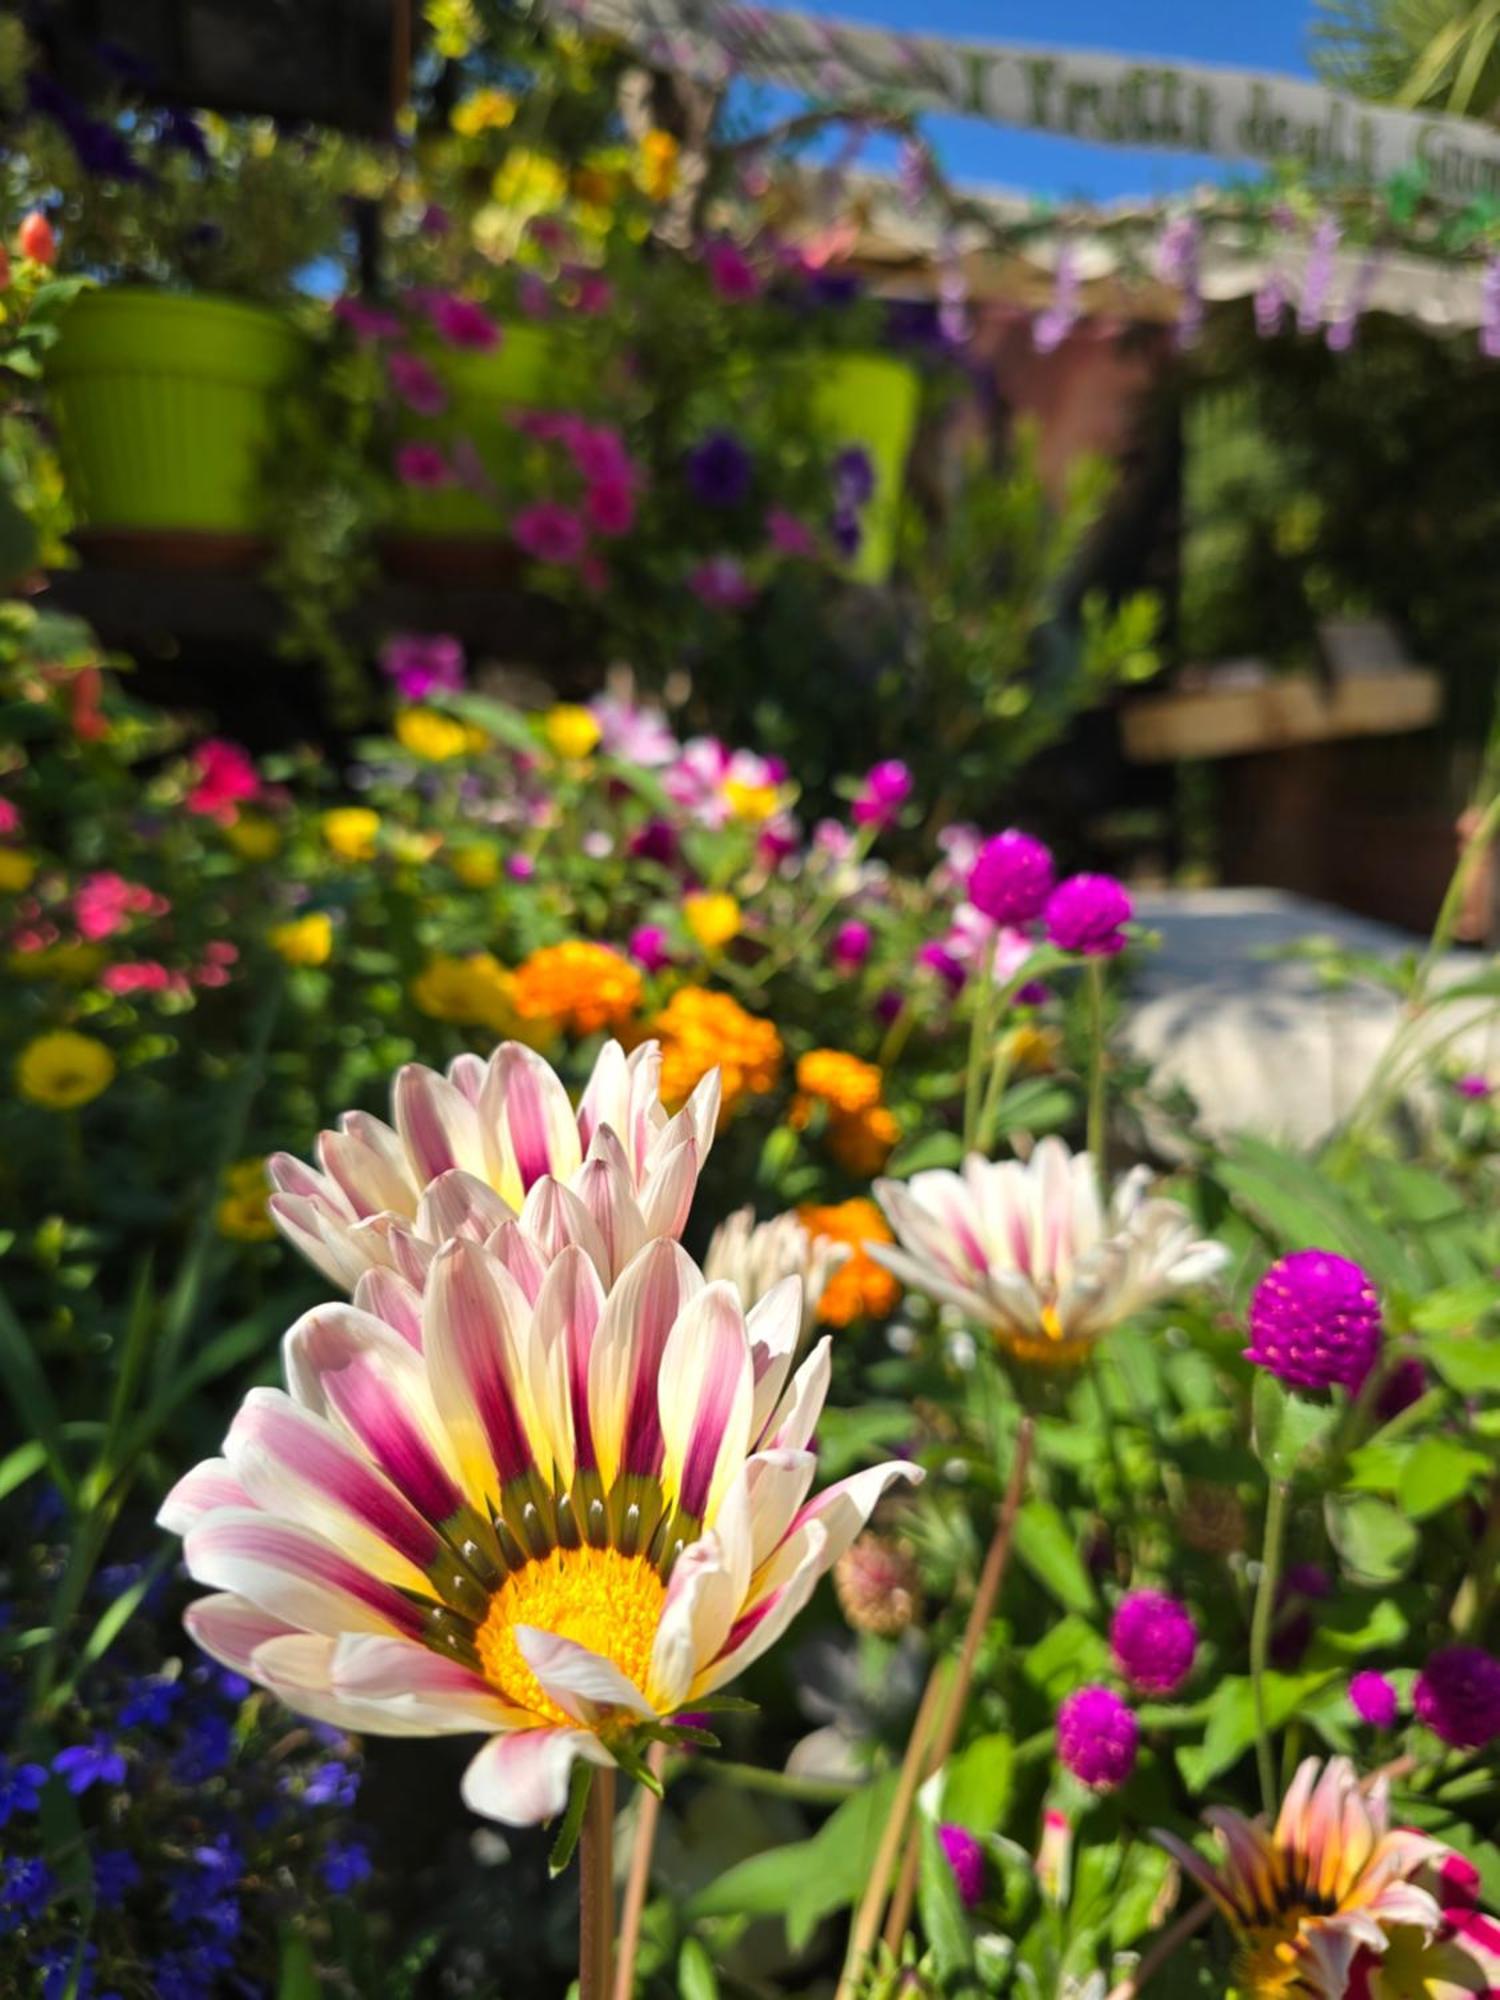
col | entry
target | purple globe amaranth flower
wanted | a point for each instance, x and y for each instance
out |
(1154, 1640)
(648, 947)
(520, 867)
(1097, 1737)
(1315, 1321)
(422, 663)
(1012, 878)
(1087, 914)
(966, 1859)
(937, 958)
(884, 792)
(1373, 1700)
(851, 945)
(1404, 1385)
(1472, 1085)
(1457, 1695)
(720, 469)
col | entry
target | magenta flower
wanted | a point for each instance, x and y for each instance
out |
(520, 867)
(419, 464)
(1153, 1639)
(423, 663)
(550, 532)
(104, 903)
(1457, 1695)
(145, 975)
(648, 947)
(886, 789)
(10, 818)
(598, 451)
(1012, 877)
(224, 776)
(730, 272)
(790, 537)
(366, 322)
(1472, 1085)
(1373, 1700)
(1097, 1738)
(937, 958)
(1315, 1321)
(610, 507)
(462, 323)
(966, 1858)
(851, 945)
(722, 584)
(1087, 914)
(418, 385)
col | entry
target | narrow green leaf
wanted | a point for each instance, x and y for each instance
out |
(1049, 1549)
(28, 1389)
(941, 1907)
(696, 1979)
(571, 1825)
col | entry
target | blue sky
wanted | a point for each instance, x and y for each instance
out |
(1254, 34)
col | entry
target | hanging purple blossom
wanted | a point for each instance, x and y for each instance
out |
(1179, 256)
(1050, 329)
(1318, 275)
(953, 293)
(1271, 302)
(1342, 328)
(914, 173)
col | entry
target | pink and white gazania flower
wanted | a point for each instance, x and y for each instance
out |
(1029, 1250)
(496, 1151)
(556, 1523)
(1461, 1961)
(1329, 1884)
(755, 1257)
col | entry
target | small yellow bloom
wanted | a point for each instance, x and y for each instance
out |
(475, 865)
(17, 870)
(571, 731)
(1032, 1049)
(62, 1070)
(73, 962)
(712, 920)
(473, 992)
(485, 110)
(753, 803)
(579, 986)
(352, 832)
(529, 182)
(242, 1214)
(247, 1176)
(656, 167)
(304, 940)
(860, 1287)
(436, 738)
(253, 837)
(411, 844)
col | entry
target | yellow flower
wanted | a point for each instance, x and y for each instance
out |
(434, 737)
(475, 865)
(1033, 1050)
(17, 870)
(530, 182)
(859, 1288)
(864, 1142)
(753, 803)
(595, 186)
(582, 987)
(485, 110)
(73, 962)
(473, 992)
(63, 1070)
(571, 731)
(843, 1082)
(253, 837)
(656, 166)
(410, 843)
(304, 940)
(700, 1030)
(351, 832)
(711, 920)
(242, 1213)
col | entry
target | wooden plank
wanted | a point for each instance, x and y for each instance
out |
(1290, 709)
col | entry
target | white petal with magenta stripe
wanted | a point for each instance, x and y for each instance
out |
(295, 1575)
(705, 1397)
(209, 1485)
(639, 1314)
(522, 1777)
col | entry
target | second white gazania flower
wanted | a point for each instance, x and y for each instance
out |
(554, 1518)
(1031, 1252)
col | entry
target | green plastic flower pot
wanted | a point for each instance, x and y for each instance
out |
(526, 370)
(165, 407)
(871, 401)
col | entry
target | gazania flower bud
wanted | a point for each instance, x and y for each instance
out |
(36, 239)
(1097, 1738)
(1315, 1321)
(1153, 1639)
(878, 1586)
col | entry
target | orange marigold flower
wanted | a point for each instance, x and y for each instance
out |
(699, 1029)
(583, 987)
(844, 1083)
(862, 1144)
(859, 1288)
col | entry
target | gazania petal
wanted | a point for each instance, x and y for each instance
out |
(294, 1575)
(626, 1357)
(209, 1485)
(764, 1624)
(705, 1401)
(460, 1204)
(474, 1319)
(439, 1127)
(528, 1124)
(522, 1778)
(582, 1682)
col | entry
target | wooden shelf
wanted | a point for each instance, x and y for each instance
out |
(1282, 713)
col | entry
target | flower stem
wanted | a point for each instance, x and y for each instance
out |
(986, 1594)
(1160, 1952)
(596, 1890)
(1096, 1111)
(1260, 1636)
(638, 1882)
(981, 1035)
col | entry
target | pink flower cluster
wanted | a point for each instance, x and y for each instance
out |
(557, 532)
(224, 778)
(105, 903)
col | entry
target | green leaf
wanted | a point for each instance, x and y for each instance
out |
(1068, 1654)
(298, 1976)
(696, 1979)
(1354, 1627)
(931, 1149)
(849, 1438)
(1142, 1875)
(941, 1907)
(1302, 1208)
(1287, 1429)
(580, 1784)
(1049, 1549)
(977, 1784)
(1438, 1472)
(28, 1389)
(1466, 1362)
(20, 1465)
(1375, 1542)
(506, 724)
(1456, 1308)
(1231, 1722)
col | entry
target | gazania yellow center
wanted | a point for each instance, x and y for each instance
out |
(599, 1598)
(1053, 1349)
(1271, 1963)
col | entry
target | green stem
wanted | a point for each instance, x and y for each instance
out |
(779, 1784)
(1097, 1106)
(596, 1890)
(1260, 1636)
(981, 1034)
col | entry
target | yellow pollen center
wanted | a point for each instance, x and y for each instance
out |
(1271, 1963)
(1052, 1324)
(1054, 1347)
(599, 1598)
